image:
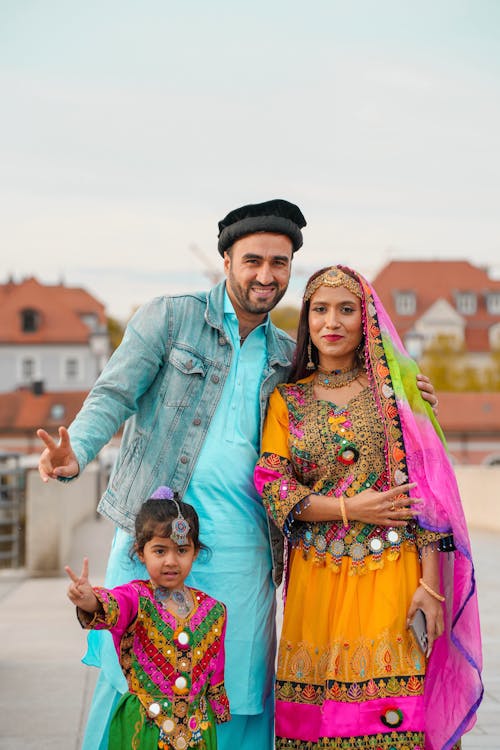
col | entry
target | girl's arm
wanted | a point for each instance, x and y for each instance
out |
(101, 608)
(216, 693)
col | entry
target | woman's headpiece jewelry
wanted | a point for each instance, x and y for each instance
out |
(333, 277)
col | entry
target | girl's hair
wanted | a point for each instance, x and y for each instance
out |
(301, 356)
(155, 519)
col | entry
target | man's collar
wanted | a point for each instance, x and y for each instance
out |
(229, 310)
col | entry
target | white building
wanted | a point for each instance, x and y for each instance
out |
(52, 338)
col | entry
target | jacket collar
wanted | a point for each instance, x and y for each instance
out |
(278, 352)
(214, 314)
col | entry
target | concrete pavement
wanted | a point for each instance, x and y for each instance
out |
(45, 691)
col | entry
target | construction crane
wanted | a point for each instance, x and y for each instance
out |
(213, 273)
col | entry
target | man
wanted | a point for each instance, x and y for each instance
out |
(191, 379)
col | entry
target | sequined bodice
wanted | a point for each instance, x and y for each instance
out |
(338, 448)
(331, 445)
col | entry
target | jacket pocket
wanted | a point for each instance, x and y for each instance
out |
(184, 370)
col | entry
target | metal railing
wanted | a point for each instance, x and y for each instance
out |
(12, 514)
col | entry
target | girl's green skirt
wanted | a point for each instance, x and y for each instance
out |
(131, 729)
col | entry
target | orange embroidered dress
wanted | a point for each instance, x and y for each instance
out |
(349, 673)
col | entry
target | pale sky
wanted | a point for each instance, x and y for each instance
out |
(129, 128)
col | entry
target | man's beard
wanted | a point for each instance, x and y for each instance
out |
(242, 296)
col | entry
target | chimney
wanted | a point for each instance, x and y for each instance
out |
(37, 387)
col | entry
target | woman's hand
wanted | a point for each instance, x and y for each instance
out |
(80, 592)
(427, 392)
(382, 508)
(433, 611)
(368, 506)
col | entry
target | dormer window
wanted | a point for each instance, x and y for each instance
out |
(466, 303)
(406, 303)
(493, 303)
(91, 320)
(30, 320)
(57, 412)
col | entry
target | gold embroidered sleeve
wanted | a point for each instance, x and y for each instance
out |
(274, 476)
(217, 696)
(106, 615)
(442, 542)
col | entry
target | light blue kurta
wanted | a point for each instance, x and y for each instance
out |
(233, 525)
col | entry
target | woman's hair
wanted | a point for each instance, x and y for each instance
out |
(155, 519)
(301, 356)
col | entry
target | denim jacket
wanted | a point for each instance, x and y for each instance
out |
(165, 381)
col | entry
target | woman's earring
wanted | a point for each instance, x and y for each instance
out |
(310, 365)
(360, 352)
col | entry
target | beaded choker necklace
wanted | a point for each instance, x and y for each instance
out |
(181, 597)
(337, 378)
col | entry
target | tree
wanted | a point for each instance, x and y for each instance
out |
(445, 362)
(115, 332)
(442, 362)
(287, 318)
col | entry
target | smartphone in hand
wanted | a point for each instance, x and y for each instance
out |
(418, 627)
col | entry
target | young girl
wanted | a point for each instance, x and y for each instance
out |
(169, 638)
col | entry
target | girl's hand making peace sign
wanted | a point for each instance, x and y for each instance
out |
(80, 591)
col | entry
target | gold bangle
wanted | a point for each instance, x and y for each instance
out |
(342, 510)
(431, 591)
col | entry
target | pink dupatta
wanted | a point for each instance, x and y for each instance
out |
(416, 452)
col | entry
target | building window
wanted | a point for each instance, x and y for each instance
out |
(27, 369)
(72, 369)
(91, 320)
(30, 320)
(406, 303)
(493, 303)
(466, 303)
(57, 412)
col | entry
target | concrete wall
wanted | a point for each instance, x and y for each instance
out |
(480, 492)
(53, 511)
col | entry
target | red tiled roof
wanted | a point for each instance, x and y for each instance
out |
(439, 279)
(59, 307)
(469, 412)
(23, 412)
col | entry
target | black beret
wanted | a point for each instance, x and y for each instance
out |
(278, 216)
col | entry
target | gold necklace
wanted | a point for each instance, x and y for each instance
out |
(337, 378)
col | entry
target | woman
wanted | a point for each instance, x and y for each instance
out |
(355, 472)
